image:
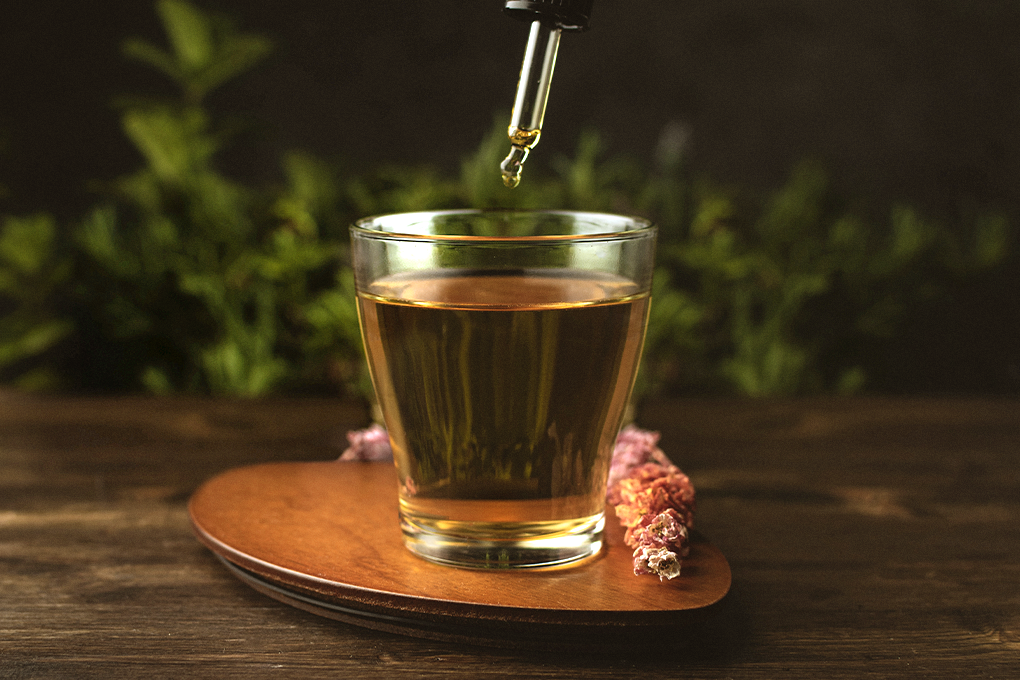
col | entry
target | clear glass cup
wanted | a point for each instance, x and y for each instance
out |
(503, 347)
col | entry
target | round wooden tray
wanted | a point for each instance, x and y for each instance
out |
(325, 537)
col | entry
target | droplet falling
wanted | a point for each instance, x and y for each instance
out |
(512, 166)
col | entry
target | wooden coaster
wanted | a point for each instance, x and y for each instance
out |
(325, 537)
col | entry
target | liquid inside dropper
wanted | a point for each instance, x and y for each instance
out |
(521, 142)
(511, 166)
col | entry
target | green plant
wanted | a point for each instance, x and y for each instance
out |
(207, 50)
(791, 289)
(32, 272)
(208, 284)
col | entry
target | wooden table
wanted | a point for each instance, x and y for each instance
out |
(867, 537)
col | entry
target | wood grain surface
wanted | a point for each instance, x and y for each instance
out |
(867, 538)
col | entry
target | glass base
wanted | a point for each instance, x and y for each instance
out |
(485, 545)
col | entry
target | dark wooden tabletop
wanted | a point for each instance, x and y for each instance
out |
(867, 537)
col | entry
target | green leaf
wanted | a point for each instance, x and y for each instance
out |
(37, 379)
(991, 239)
(190, 33)
(147, 53)
(851, 381)
(206, 51)
(32, 338)
(174, 142)
(156, 381)
(235, 56)
(26, 243)
(910, 234)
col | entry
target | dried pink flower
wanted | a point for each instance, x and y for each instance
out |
(371, 443)
(652, 489)
(660, 543)
(654, 499)
(665, 530)
(634, 447)
(662, 562)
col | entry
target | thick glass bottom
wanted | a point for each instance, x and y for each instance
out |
(503, 545)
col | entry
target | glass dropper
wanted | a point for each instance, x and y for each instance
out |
(532, 96)
(548, 18)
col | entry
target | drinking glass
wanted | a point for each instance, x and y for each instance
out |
(503, 347)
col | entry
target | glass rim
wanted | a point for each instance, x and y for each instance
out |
(643, 227)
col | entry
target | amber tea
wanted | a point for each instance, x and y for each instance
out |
(503, 390)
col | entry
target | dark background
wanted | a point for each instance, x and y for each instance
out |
(911, 100)
(901, 100)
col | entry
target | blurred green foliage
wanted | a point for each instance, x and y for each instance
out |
(786, 290)
(32, 271)
(209, 285)
(184, 280)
